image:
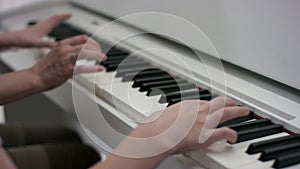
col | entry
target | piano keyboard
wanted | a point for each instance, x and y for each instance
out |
(261, 144)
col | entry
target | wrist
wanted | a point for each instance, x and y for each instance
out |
(36, 80)
(163, 137)
(150, 140)
(9, 39)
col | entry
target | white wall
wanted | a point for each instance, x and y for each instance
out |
(6, 5)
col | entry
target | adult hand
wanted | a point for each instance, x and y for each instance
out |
(209, 115)
(60, 63)
(191, 125)
(33, 35)
(186, 126)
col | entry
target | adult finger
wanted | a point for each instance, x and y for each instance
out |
(224, 114)
(57, 19)
(76, 40)
(219, 103)
(223, 133)
(87, 46)
(228, 113)
(85, 53)
(91, 54)
(94, 43)
(88, 69)
(191, 102)
(91, 46)
(104, 57)
(49, 44)
(84, 47)
(77, 48)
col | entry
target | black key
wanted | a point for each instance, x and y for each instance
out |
(250, 125)
(122, 72)
(238, 120)
(31, 23)
(151, 73)
(287, 160)
(260, 146)
(119, 61)
(140, 81)
(202, 97)
(250, 134)
(166, 97)
(110, 59)
(274, 152)
(113, 67)
(64, 30)
(109, 62)
(147, 86)
(169, 88)
(117, 57)
(156, 75)
(146, 73)
(116, 51)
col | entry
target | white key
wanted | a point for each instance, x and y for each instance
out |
(129, 101)
(257, 165)
(85, 62)
(266, 165)
(121, 95)
(223, 155)
(90, 79)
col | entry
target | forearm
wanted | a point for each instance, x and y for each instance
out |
(16, 85)
(8, 40)
(138, 155)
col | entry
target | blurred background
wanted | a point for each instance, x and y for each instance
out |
(6, 5)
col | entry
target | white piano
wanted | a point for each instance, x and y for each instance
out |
(158, 51)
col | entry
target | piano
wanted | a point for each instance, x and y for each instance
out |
(147, 72)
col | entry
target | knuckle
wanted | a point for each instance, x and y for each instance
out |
(63, 49)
